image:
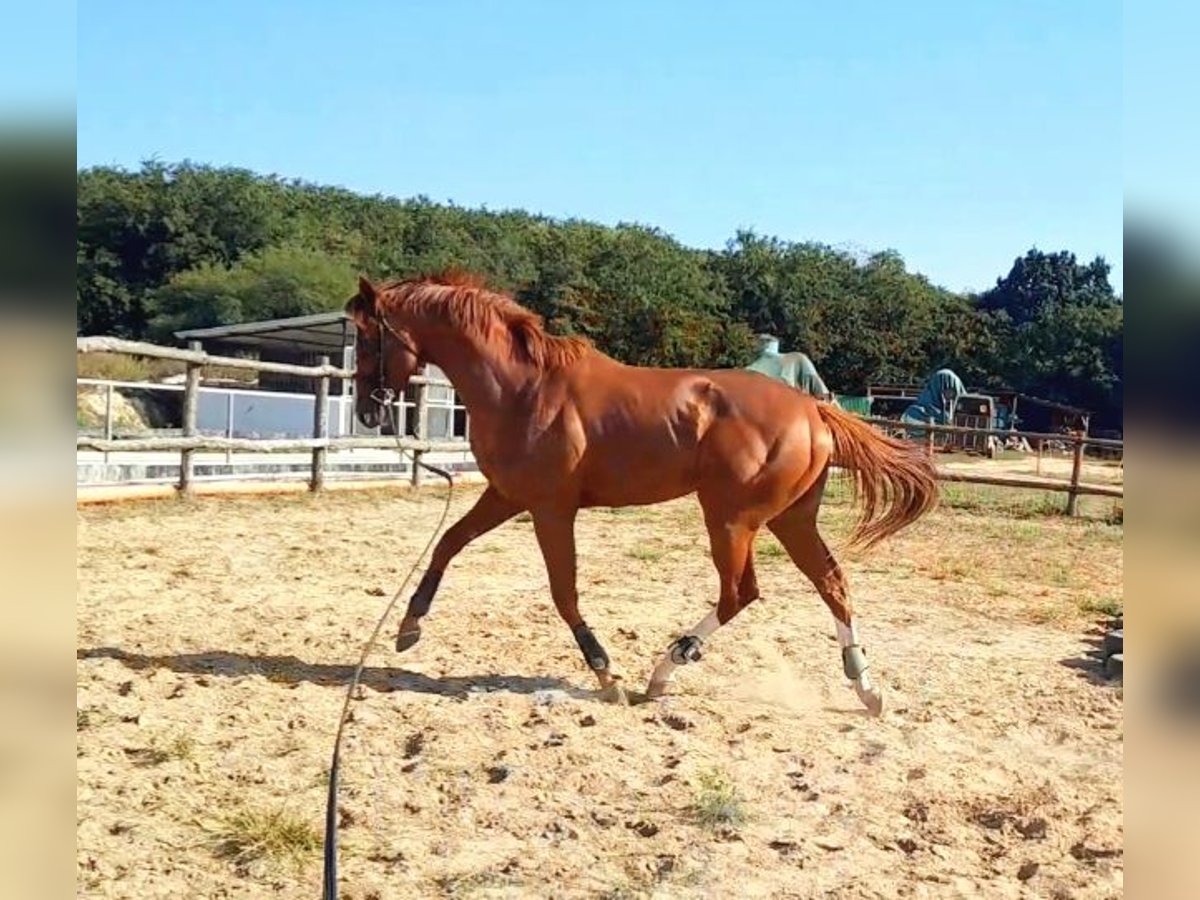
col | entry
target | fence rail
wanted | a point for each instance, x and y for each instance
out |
(1074, 489)
(417, 445)
(319, 444)
(267, 445)
(1069, 438)
(202, 359)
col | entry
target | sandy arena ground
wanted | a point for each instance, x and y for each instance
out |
(215, 639)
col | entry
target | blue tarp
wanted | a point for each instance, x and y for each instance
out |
(936, 399)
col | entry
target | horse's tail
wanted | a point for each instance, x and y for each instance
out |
(896, 480)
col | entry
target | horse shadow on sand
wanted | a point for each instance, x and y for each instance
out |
(1089, 664)
(290, 670)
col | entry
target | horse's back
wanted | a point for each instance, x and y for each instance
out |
(672, 411)
(605, 383)
(642, 435)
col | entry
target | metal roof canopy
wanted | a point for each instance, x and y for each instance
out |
(327, 333)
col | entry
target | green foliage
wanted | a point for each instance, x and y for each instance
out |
(247, 835)
(269, 284)
(168, 247)
(1057, 331)
(1106, 606)
(716, 802)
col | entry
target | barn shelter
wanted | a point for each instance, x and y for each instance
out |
(299, 340)
(303, 340)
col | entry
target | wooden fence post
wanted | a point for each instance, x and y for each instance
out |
(1041, 443)
(420, 430)
(1076, 471)
(191, 406)
(320, 429)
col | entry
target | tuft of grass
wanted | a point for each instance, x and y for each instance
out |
(1047, 504)
(771, 550)
(646, 554)
(1060, 574)
(620, 892)
(1046, 615)
(1106, 606)
(464, 885)
(716, 802)
(181, 747)
(249, 835)
(952, 570)
(1021, 531)
(1017, 503)
(119, 367)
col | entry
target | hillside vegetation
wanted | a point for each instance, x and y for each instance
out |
(185, 245)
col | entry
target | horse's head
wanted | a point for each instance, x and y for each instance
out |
(385, 352)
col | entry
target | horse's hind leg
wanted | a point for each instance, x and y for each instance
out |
(796, 529)
(490, 511)
(748, 586)
(732, 553)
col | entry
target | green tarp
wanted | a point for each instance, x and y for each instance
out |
(860, 406)
(795, 369)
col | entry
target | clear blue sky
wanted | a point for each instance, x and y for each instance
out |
(958, 133)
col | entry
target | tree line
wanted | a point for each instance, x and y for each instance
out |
(177, 246)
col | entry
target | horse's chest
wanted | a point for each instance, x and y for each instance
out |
(521, 453)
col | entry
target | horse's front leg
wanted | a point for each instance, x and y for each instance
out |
(555, 531)
(490, 511)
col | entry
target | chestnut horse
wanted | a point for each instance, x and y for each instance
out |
(557, 426)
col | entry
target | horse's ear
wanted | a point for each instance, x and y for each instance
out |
(366, 290)
(362, 306)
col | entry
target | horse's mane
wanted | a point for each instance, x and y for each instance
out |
(464, 300)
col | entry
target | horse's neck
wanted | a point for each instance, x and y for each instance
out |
(486, 380)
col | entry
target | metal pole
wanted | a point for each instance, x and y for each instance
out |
(320, 429)
(108, 416)
(191, 404)
(229, 426)
(421, 430)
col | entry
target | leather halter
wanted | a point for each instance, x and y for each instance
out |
(383, 394)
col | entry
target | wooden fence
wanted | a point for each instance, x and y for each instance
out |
(1074, 489)
(319, 444)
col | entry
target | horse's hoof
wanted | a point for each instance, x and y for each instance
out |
(406, 639)
(655, 690)
(872, 699)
